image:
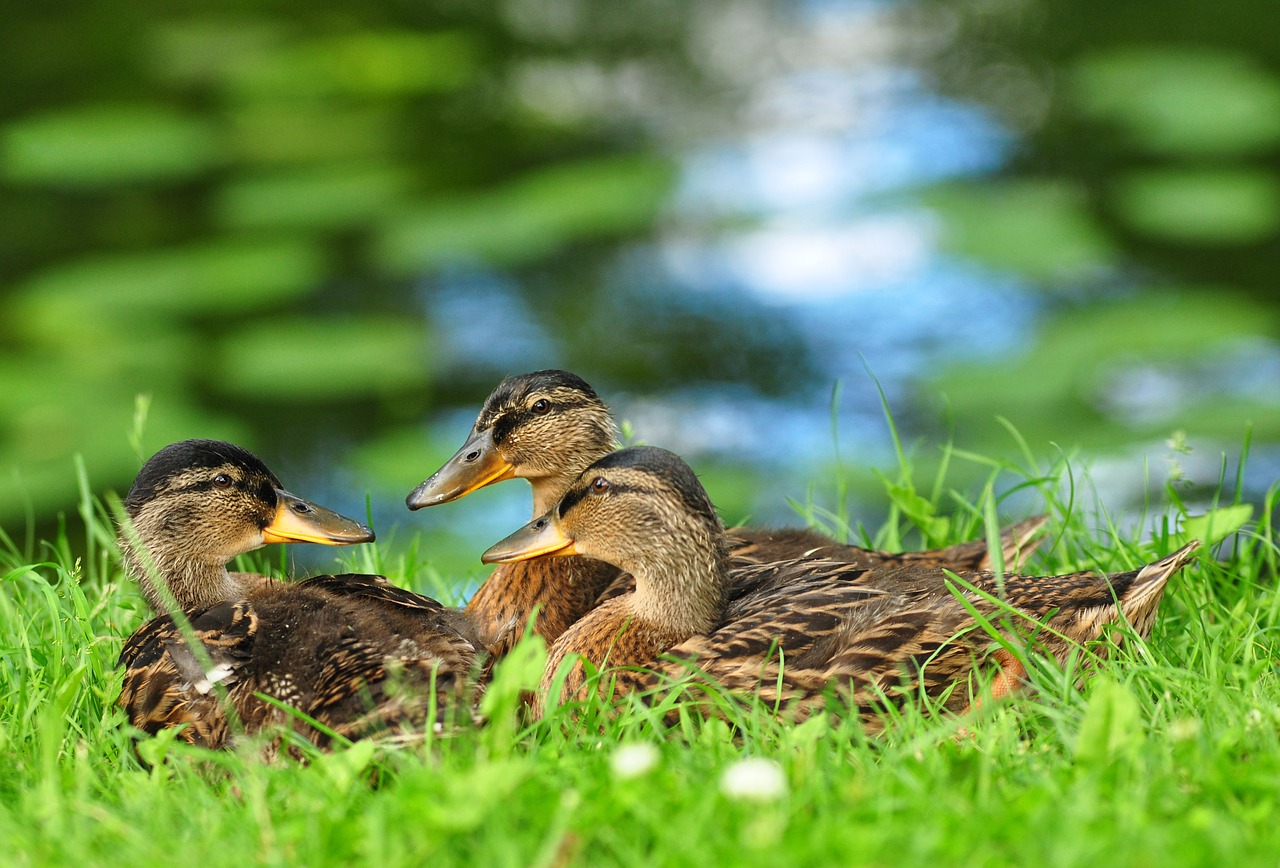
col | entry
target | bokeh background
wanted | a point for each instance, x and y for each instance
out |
(326, 230)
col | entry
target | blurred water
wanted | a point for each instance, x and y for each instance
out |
(804, 216)
(485, 217)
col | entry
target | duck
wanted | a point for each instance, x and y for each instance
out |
(351, 652)
(877, 635)
(547, 427)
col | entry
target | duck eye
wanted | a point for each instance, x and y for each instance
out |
(599, 484)
(541, 407)
(222, 480)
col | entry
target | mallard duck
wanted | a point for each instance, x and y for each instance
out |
(547, 427)
(883, 634)
(352, 652)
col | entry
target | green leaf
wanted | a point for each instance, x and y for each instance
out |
(1215, 525)
(515, 675)
(1112, 727)
(346, 766)
(919, 510)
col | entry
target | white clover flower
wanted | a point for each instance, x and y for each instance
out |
(754, 779)
(633, 760)
(1184, 729)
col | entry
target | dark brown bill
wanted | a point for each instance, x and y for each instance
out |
(474, 466)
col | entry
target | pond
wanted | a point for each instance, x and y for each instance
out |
(327, 232)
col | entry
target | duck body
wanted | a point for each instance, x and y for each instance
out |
(889, 635)
(547, 427)
(791, 632)
(352, 652)
(544, 596)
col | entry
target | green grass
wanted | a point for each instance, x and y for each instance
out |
(1170, 756)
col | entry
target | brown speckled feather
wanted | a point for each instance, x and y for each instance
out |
(560, 590)
(793, 632)
(547, 427)
(351, 651)
(763, 545)
(565, 589)
(899, 631)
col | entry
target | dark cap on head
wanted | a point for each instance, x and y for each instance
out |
(189, 455)
(665, 466)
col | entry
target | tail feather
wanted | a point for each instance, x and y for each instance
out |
(1143, 594)
(1017, 542)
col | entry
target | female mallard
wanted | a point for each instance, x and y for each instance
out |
(547, 427)
(351, 652)
(883, 634)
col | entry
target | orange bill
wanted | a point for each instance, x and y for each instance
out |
(298, 520)
(541, 537)
(474, 466)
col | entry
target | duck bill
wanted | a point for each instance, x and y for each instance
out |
(298, 520)
(474, 466)
(540, 538)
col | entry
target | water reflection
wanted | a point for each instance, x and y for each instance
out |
(334, 240)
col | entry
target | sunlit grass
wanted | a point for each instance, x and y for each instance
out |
(1170, 754)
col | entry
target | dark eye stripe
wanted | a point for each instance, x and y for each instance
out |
(208, 485)
(572, 499)
(577, 495)
(504, 421)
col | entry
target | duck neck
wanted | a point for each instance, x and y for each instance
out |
(685, 594)
(548, 491)
(192, 582)
(561, 590)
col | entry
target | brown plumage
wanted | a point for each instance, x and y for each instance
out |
(804, 626)
(352, 652)
(547, 427)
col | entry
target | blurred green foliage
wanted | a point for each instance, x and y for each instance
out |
(1181, 101)
(103, 145)
(1143, 200)
(258, 215)
(1067, 381)
(1201, 206)
(226, 208)
(1036, 228)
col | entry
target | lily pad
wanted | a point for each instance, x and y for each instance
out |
(101, 145)
(93, 418)
(322, 359)
(1038, 229)
(323, 197)
(529, 217)
(1183, 101)
(1217, 206)
(364, 63)
(1053, 392)
(222, 277)
(291, 132)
